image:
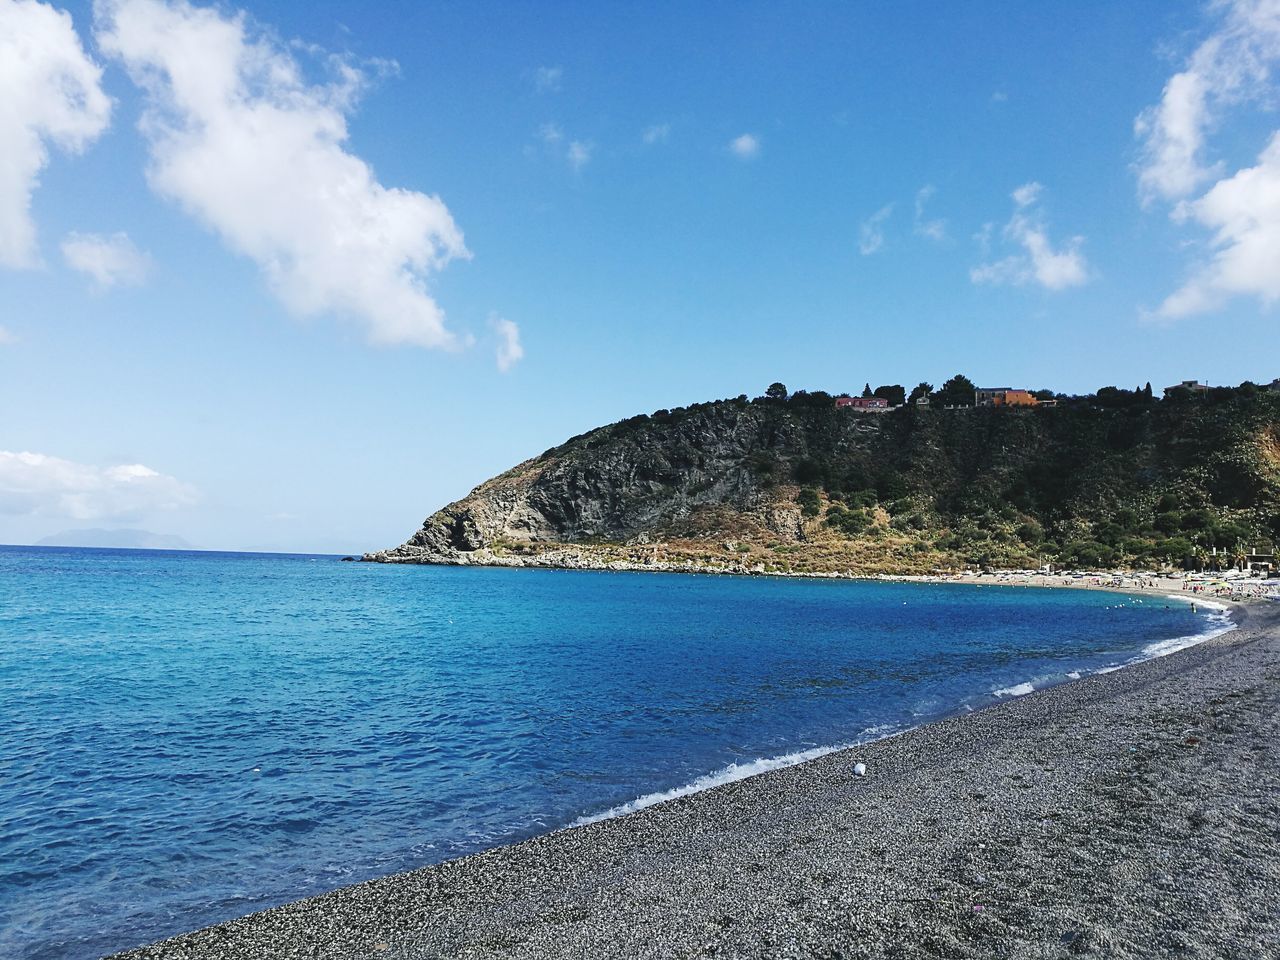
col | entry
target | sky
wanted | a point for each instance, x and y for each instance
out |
(282, 276)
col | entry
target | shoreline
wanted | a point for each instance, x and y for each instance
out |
(1074, 579)
(761, 765)
(425, 912)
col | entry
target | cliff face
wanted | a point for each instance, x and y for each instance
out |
(797, 485)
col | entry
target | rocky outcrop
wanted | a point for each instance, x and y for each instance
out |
(800, 486)
(640, 480)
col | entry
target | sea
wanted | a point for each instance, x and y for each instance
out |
(186, 737)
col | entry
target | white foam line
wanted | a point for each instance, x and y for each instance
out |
(1199, 602)
(1017, 690)
(734, 772)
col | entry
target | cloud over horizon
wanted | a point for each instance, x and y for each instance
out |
(38, 484)
(245, 145)
(1039, 262)
(52, 94)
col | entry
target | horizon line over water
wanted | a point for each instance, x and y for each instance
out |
(197, 734)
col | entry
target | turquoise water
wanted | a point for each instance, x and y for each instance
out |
(187, 737)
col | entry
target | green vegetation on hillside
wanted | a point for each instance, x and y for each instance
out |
(1116, 478)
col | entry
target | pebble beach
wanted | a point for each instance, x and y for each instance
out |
(1129, 814)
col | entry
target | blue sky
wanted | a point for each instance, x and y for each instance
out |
(660, 205)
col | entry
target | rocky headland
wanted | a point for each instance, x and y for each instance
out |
(797, 485)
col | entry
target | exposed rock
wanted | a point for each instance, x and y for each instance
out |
(799, 486)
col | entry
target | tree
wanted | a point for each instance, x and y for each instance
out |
(866, 391)
(892, 392)
(957, 392)
(921, 389)
(776, 391)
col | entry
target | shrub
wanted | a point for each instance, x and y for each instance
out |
(810, 505)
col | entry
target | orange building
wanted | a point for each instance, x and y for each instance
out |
(1004, 397)
(1015, 398)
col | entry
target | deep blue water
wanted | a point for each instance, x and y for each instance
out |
(187, 737)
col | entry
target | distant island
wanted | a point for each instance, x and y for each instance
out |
(119, 539)
(892, 481)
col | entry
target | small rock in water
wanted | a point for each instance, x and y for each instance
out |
(859, 769)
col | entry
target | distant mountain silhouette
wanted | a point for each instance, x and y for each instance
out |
(124, 539)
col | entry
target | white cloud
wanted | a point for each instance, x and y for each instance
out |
(34, 483)
(110, 261)
(547, 79)
(657, 133)
(1243, 211)
(579, 154)
(1027, 194)
(745, 147)
(51, 93)
(1039, 261)
(7, 337)
(871, 231)
(1232, 66)
(509, 351)
(935, 230)
(243, 143)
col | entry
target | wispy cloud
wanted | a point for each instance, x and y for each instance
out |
(1241, 210)
(38, 484)
(935, 230)
(871, 231)
(509, 350)
(242, 142)
(576, 153)
(1232, 66)
(657, 133)
(745, 147)
(109, 261)
(7, 337)
(547, 79)
(579, 154)
(1038, 261)
(52, 94)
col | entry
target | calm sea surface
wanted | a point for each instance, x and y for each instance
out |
(187, 737)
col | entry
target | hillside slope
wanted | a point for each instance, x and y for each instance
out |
(795, 485)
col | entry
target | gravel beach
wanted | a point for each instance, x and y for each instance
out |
(1132, 814)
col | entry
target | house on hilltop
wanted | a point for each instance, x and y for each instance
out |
(1195, 386)
(1004, 397)
(865, 404)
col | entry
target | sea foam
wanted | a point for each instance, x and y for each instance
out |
(735, 772)
(1217, 623)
